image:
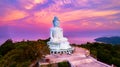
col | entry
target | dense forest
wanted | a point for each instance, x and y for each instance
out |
(106, 53)
(22, 54)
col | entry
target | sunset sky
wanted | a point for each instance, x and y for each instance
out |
(81, 20)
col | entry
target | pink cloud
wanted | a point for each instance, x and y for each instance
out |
(13, 14)
(29, 4)
(46, 16)
(80, 14)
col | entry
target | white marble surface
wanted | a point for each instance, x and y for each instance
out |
(57, 40)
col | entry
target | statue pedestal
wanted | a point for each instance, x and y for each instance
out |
(60, 48)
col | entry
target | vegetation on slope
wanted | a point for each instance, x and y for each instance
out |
(59, 64)
(64, 64)
(107, 53)
(22, 54)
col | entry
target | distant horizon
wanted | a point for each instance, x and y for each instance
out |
(72, 41)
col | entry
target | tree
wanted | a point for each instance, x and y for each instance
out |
(6, 47)
(23, 53)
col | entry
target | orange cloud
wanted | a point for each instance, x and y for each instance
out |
(43, 17)
(38, 1)
(80, 14)
(46, 16)
(91, 25)
(13, 15)
(29, 4)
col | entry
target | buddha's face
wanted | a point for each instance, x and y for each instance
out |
(56, 24)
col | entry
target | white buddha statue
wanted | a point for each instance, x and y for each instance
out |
(56, 33)
(58, 43)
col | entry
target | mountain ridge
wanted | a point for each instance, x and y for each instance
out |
(109, 40)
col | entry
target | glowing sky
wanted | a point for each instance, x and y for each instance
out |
(82, 20)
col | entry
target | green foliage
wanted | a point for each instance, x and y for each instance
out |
(6, 47)
(22, 54)
(64, 64)
(59, 64)
(106, 53)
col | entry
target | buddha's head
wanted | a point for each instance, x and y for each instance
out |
(56, 22)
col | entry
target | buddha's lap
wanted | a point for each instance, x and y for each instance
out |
(57, 39)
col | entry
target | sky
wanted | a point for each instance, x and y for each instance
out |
(81, 20)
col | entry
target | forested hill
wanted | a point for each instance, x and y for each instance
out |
(22, 54)
(109, 40)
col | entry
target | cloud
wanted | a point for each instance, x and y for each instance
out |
(89, 16)
(78, 18)
(73, 15)
(29, 4)
(80, 14)
(14, 14)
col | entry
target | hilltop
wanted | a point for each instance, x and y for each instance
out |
(25, 53)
